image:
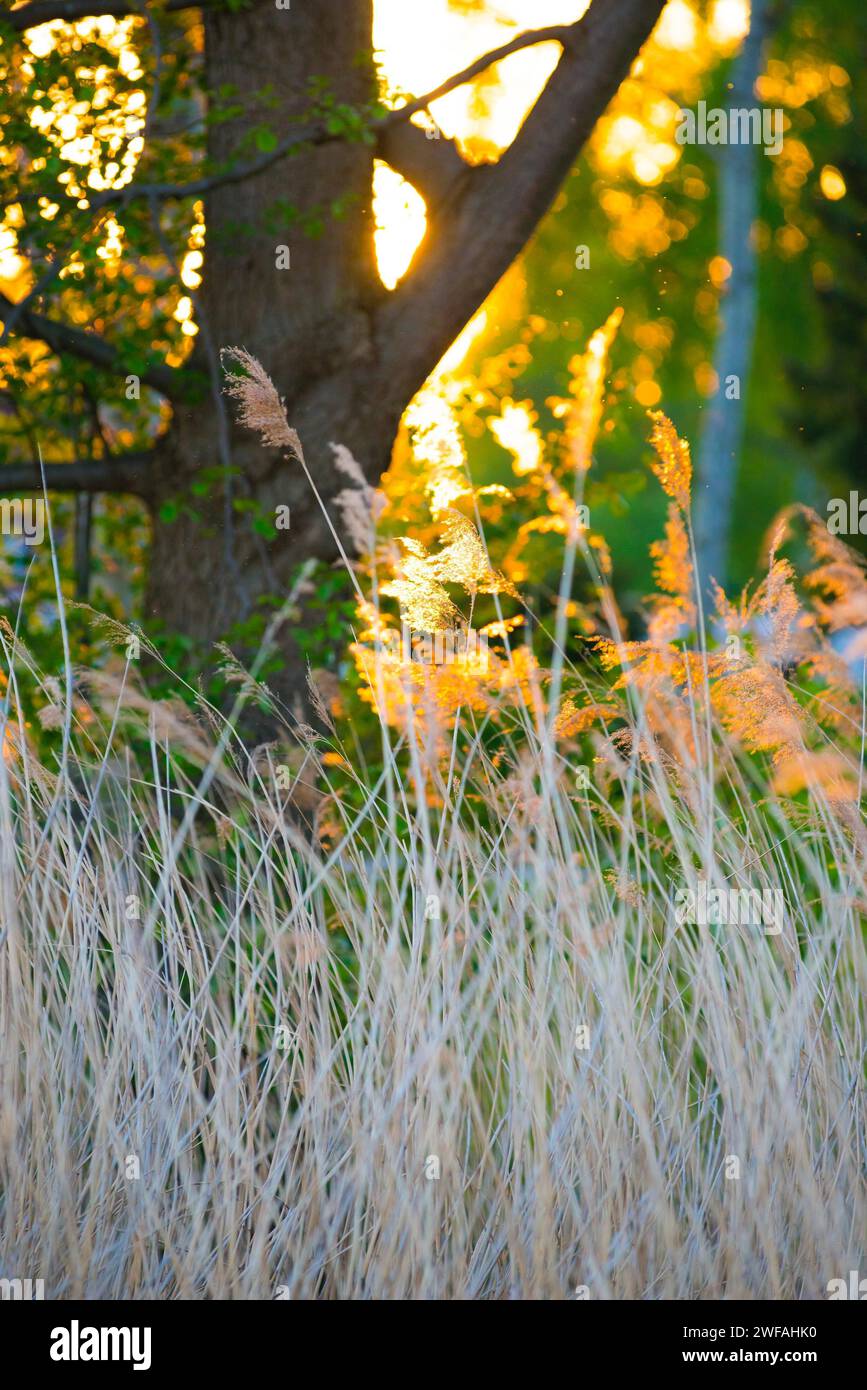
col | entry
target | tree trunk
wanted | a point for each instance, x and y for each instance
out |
(310, 324)
(722, 434)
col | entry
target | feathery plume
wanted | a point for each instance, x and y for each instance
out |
(360, 506)
(261, 408)
(673, 573)
(588, 371)
(672, 466)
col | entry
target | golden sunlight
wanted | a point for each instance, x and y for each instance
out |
(729, 21)
(416, 51)
(400, 217)
(832, 183)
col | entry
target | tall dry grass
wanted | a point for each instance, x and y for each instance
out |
(163, 921)
(285, 1022)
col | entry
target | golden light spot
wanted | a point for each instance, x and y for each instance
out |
(641, 225)
(67, 126)
(648, 393)
(706, 379)
(695, 187)
(515, 430)
(719, 270)
(793, 166)
(11, 264)
(400, 216)
(190, 269)
(832, 183)
(677, 29)
(705, 303)
(197, 231)
(760, 235)
(653, 336)
(790, 241)
(73, 270)
(112, 248)
(624, 133)
(41, 40)
(128, 64)
(729, 21)
(823, 275)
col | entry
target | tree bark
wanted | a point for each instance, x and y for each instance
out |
(310, 324)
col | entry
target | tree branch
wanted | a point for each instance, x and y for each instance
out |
(123, 473)
(434, 166)
(89, 347)
(503, 203)
(553, 33)
(45, 11)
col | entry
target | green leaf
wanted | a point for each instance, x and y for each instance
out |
(266, 140)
